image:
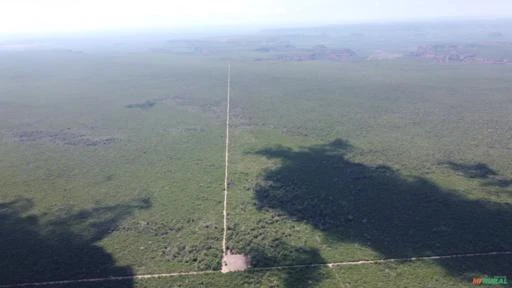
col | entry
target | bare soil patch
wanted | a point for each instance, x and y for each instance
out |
(235, 262)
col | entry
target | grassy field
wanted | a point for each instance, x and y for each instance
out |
(113, 164)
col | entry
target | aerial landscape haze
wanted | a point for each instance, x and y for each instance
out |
(318, 153)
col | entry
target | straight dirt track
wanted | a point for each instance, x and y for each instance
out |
(327, 265)
(225, 212)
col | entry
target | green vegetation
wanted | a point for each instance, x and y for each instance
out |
(113, 163)
(171, 155)
(387, 189)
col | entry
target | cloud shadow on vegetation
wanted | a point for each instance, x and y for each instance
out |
(480, 171)
(281, 252)
(377, 207)
(33, 249)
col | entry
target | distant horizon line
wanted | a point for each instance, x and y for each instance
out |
(230, 29)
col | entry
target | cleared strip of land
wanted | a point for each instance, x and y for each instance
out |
(335, 264)
(105, 279)
(329, 265)
(226, 167)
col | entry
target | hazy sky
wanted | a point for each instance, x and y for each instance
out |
(48, 16)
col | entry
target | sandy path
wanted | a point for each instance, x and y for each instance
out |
(362, 262)
(226, 165)
(92, 280)
(230, 262)
(329, 265)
